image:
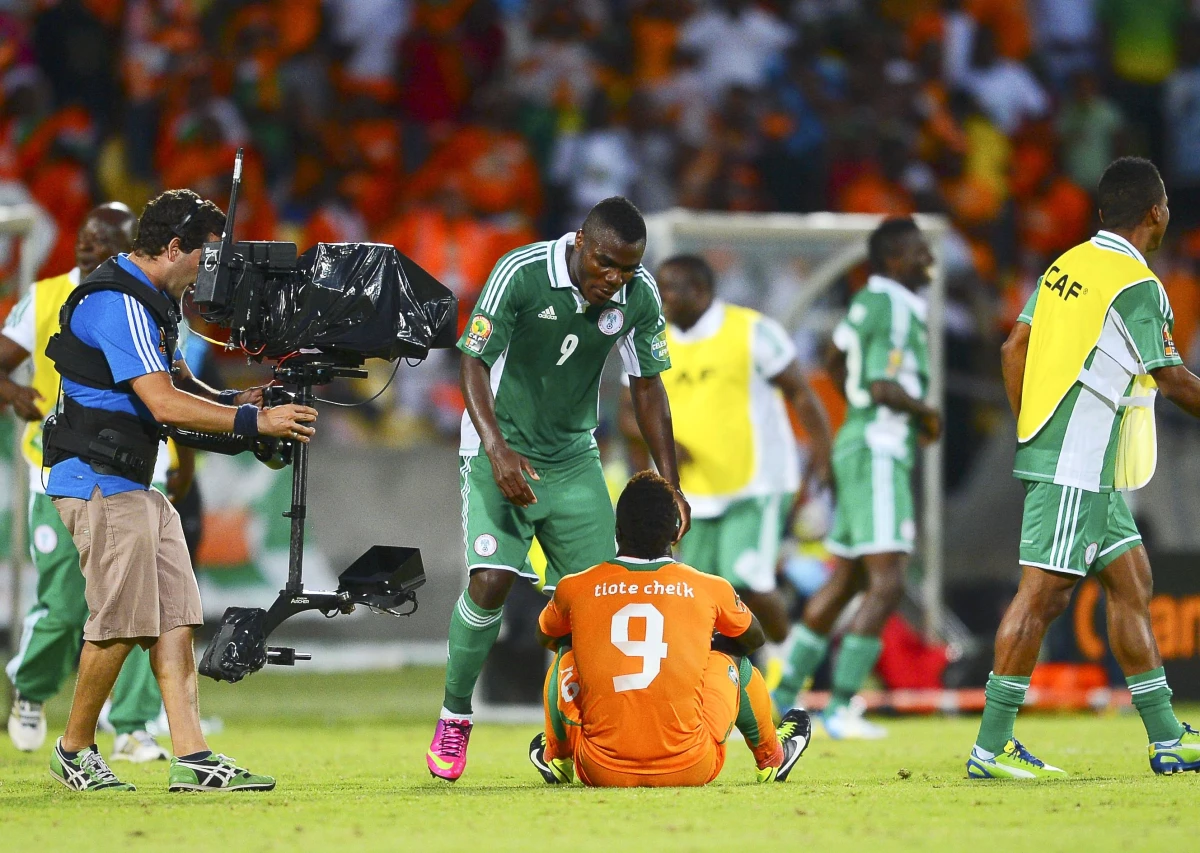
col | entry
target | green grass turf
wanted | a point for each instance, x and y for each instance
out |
(348, 752)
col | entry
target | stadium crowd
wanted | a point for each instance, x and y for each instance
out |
(458, 129)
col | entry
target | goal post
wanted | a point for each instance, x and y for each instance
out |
(788, 266)
(18, 222)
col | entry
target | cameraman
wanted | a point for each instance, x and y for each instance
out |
(118, 389)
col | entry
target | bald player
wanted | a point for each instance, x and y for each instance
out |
(54, 625)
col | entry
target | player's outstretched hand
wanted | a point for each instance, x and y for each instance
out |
(685, 516)
(287, 421)
(250, 395)
(22, 398)
(509, 469)
(931, 427)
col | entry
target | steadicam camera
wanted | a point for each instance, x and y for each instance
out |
(318, 316)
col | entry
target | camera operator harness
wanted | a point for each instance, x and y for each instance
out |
(110, 442)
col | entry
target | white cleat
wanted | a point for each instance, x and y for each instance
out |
(848, 723)
(139, 748)
(27, 724)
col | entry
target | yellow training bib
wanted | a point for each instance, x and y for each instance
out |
(709, 389)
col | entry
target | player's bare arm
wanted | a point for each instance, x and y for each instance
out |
(884, 392)
(185, 380)
(812, 416)
(552, 643)
(21, 397)
(1180, 386)
(1012, 364)
(639, 453)
(746, 643)
(653, 413)
(169, 405)
(508, 467)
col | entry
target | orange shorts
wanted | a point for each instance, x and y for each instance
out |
(719, 697)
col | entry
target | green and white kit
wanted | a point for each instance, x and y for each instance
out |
(1074, 521)
(884, 338)
(546, 346)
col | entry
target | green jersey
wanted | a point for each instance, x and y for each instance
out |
(884, 338)
(546, 347)
(1077, 447)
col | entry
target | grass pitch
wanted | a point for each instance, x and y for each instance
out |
(349, 754)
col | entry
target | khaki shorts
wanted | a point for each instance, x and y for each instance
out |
(138, 578)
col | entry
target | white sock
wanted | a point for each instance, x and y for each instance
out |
(450, 715)
(980, 752)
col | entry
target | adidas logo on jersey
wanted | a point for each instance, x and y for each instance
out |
(548, 314)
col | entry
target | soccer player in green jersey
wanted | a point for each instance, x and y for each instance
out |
(533, 351)
(1075, 522)
(880, 357)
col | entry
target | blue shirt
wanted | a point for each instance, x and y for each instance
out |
(122, 328)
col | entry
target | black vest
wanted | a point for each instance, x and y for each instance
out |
(110, 442)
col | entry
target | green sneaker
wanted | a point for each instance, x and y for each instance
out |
(794, 733)
(215, 773)
(85, 772)
(1181, 755)
(1015, 762)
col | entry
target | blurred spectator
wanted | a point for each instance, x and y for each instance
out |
(490, 159)
(1067, 37)
(370, 32)
(1005, 89)
(685, 96)
(452, 49)
(76, 51)
(595, 164)
(1141, 36)
(1090, 126)
(452, 244)
(738, 41)
(656, 155)
(1055, 217)
(1182, 107)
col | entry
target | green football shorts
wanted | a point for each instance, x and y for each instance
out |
(873, 511)
(1068, 530)
(573, 519)
(740, 545)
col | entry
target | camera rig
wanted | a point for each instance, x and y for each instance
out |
(385, 578)
(319, 317)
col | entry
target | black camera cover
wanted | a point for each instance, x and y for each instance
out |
(361, 298)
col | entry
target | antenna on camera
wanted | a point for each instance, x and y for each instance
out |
(212, 282)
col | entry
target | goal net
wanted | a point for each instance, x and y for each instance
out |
(801, 269)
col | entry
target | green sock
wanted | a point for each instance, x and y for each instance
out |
(856, 658)
(1152, 698)
(808, 650)
(746, 722)
(473, 631)
(1004, 695)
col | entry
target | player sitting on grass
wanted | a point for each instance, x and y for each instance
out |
(637, 695)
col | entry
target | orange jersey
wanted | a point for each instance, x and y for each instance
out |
(642, 633)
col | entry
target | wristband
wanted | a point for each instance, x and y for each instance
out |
(245, 422)
(227, 398)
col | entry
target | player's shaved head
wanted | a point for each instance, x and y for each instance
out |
(107, 230)
(686, 284)
(1128, 189)
(619, 216)
(647, 517)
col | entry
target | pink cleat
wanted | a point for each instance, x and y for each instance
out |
(447, 755)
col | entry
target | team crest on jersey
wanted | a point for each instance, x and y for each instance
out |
(1169, 349)
(733, 674)
(478, 332)
(658, 346)
(611, 321)
(1090, 554)
(485, 544)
